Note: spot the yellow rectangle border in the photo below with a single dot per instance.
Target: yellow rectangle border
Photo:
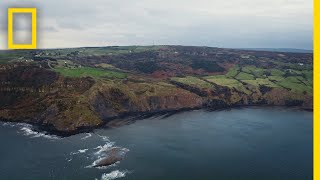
(316, 47)
(316, 92)
(33, 12)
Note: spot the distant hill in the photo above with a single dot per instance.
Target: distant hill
(280, 50)
(67, 91)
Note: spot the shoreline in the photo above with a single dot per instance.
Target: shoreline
(131, 117)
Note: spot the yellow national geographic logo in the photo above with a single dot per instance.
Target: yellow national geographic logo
(33, 44)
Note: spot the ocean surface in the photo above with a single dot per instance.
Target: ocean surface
(234, 144)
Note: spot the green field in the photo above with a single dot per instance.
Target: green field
(276, 72)
(260, 81)
(255, 71)
(276, 78)
(244, 76)
(300, 81)
(233, 72)
(89, 71)
(193, 81)
(223, 81)
(296, 85)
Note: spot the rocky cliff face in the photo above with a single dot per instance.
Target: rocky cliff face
(35, 95)
(39, 96)
(66, 105)
(110, 100)
(270, 97)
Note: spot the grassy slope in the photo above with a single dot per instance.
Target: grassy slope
(298, 81)
(193, 81)
(89, 71)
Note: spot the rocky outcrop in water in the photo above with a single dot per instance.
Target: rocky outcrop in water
(111, 156)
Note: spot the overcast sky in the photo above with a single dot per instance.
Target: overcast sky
(221, 23)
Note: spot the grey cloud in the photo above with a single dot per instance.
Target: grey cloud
(232, 23)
